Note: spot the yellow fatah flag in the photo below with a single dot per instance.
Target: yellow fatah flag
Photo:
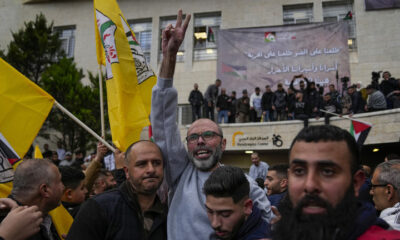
(37, 153)
(129, 77)
(62, 220)
(24, 107)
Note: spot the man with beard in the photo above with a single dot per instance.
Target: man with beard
(186, 171)
(134, 209)
(277, 183)
(104, 181)
(230, 210)
(324, 177)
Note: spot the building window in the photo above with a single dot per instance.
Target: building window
(67, 37)
(342, 11)
(206, 27)
(142, 29)
(164, 21)
(297, 14)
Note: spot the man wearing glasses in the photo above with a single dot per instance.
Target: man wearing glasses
(186, 171)
(385, 191)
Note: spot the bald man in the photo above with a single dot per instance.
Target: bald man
(186, 171)
(131, 210)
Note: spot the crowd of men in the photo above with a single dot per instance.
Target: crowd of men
(166, 190)
(302, 103)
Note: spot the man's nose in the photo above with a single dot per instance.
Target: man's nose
(312, 184)
(150, 168)
(201, 140)
(215, 222)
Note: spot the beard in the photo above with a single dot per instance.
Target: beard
(336, 223)
(210, 162)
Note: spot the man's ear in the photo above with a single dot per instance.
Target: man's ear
(126, 171)
(248, 207)
(358, 181)
(283, 184)
(68, 193)
(390, 192)
(223, 144)
(44, 190)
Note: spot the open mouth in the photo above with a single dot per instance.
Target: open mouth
(202, 154)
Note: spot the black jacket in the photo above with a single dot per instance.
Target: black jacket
(357, 103)
(223, 102)
(116, 215)
(196, 98)
(266, 101)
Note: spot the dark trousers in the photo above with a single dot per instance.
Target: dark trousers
(196, 112)
(303, 117)
(232, 117)
(209, 111)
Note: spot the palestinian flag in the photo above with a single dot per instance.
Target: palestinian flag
(151, 133)
(348, 16)
(210, 35)
(237, 71)
(360, 131)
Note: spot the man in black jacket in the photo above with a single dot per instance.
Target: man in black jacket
(266, 104)
(232, 103)
(223, 106)
(231, 212)
(357, 102)
(133, 211)
(196, 101)
(37, 182)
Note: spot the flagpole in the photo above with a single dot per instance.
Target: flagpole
(80, 123)
(341, 116)
(101, 101)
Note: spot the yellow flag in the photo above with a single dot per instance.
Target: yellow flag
(24, 107)
(62, 220)
(129, 77)
(37, 152)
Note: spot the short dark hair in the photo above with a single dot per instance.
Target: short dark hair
(218, 80)
(325, 133)
(281, 170)
(227, 181)
(71, 177)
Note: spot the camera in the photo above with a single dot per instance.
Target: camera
(375, 76)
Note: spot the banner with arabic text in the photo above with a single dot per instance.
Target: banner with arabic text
(256, 57)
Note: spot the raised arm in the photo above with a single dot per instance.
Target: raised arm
(164, 104)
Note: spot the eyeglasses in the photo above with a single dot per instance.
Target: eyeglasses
(382, 185)
(378, 185)
(207, 136)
